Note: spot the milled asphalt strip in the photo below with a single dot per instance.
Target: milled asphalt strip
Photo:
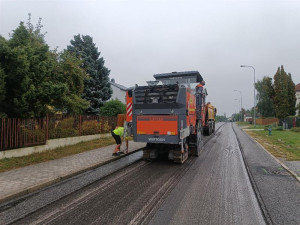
(19, 208)
(63, 186)
(213, 134)
(262, 205)
(36, 187)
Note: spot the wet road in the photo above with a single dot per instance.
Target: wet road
(213, 188)
(216, 190)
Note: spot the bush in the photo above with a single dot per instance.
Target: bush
(64, 128)
(90, 127)
(3, 115)
(296, 129)
(34, 136)
(112, 108)
(107, 127)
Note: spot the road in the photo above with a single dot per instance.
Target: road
(217, 187)
(216, 190)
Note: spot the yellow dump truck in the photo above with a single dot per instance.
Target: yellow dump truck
(210, 117)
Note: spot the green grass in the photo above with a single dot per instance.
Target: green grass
(250, 126)
(243, 123)
(13, 163)
(285, 143)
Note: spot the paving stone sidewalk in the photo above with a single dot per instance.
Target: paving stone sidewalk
(27, 179)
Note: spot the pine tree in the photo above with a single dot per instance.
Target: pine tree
(281, 95)
(97, 88)
(291, 95)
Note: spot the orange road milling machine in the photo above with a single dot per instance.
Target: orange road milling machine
(170, 116)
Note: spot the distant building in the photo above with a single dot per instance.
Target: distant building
(119, 91)
(297, 89)
(247, 117)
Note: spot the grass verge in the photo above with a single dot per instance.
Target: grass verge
(247, 125)
(13, 163)
(243, 123)
(284, 144)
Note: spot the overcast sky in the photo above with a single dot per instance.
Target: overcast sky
(139, 38)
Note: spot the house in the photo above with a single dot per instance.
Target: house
(248, 118)
(119, 91)
(297, 89)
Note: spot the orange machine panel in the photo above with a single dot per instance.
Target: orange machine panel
(191, 106)
(157, 125)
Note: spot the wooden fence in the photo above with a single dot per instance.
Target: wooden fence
(266, 121)
(19, 133)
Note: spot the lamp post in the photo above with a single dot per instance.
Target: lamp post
(242, 119)
(254, 91)
(238, 106)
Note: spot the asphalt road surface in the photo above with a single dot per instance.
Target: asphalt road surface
(214, 188)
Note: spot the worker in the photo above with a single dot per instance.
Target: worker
(201, 84)
(200, 88)
(118, 134)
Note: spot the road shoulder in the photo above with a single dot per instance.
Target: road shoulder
(278, 189)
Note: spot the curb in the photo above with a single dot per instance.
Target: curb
(277, 160)
(37, 187)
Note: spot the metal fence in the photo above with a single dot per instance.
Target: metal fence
(18, 133)
(288, 123)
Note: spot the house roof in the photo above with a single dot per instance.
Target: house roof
(297, 87)
(118, 85)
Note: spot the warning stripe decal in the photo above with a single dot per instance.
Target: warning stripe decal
(129, 109)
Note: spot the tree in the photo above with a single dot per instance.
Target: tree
(2, 91)
(112, 108)
(38, 80)
(291, 95)
(97, 88)
(221, 118)
(284, 94)
(27, 64)
(265, 93)
(70, 73)
(281, 104)
(2, 87)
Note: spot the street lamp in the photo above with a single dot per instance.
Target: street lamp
(254, 90)
(241, 105)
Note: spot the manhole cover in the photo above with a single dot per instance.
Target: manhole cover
(279, 171)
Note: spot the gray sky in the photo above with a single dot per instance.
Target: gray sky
(139, 38)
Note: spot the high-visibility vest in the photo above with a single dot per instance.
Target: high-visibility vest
(119, 131)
